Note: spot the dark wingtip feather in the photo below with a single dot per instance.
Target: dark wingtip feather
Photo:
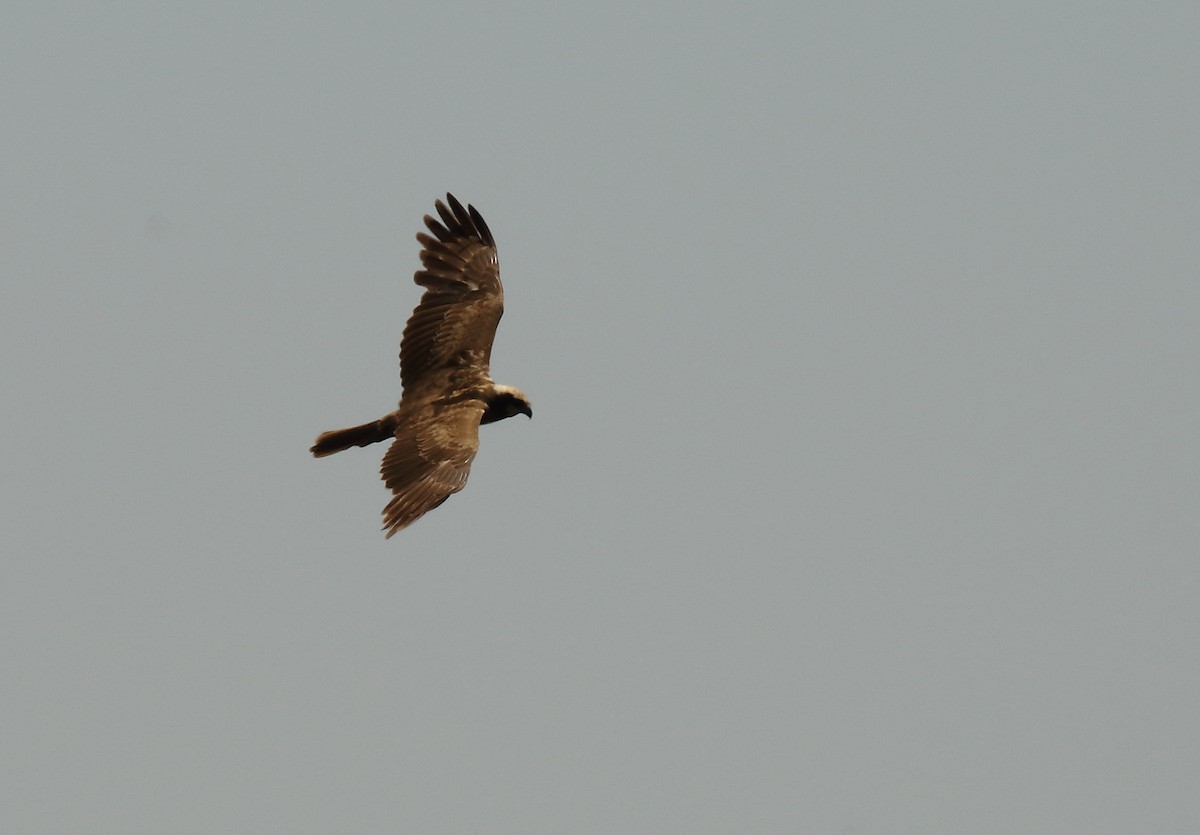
(449, 215)
(481, 227)
(440, 232)
(455, 206)
(457, 220)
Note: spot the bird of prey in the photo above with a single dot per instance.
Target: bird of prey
(444, 356)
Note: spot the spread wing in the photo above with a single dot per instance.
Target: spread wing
(429, 460)
(455, 322)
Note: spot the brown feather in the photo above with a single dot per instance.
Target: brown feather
(444, 357)
(456, 320)
(429, 460)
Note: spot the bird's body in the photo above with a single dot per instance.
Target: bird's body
(444, 370)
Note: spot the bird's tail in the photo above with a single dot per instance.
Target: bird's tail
(369, 433)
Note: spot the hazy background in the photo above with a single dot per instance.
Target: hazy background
(862, 493)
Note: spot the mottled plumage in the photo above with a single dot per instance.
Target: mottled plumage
(444, 357)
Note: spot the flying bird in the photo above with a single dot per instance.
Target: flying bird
(444, 356)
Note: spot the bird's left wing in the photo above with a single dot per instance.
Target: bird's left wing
(429, 460)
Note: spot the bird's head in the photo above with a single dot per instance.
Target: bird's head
(506, 402)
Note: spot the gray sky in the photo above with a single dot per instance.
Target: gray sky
(862, 492)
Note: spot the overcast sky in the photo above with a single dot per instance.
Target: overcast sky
(863, 488)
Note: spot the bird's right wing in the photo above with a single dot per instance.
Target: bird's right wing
(455, 322)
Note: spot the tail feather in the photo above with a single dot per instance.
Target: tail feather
(369, 433)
